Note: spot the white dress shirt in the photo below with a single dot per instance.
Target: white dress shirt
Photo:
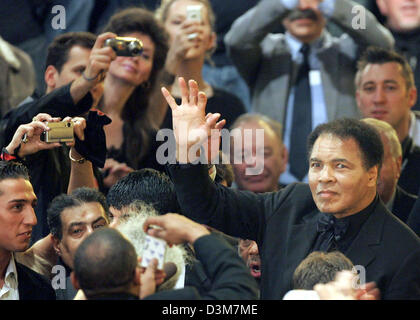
(9, 291)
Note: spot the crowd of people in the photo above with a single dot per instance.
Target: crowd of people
(289, 166)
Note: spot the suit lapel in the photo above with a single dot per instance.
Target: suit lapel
(362, 250)
(301, 239)
(276, 81)
(24, 284)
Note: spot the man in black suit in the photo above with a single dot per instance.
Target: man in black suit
(17, 218)
(396, 199)
(385, 90)
(340, 209)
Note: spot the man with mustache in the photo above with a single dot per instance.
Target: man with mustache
(303, 77)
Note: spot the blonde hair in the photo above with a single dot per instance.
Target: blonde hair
(162, 12)
(384, 128)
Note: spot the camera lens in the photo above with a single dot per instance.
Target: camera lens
(135, 48)
(68, 124)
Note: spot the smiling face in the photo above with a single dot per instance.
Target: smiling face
(382, 94)
(77, 223)
(274, 158)
(402, 15)
(339, 182)
(134, 70)
(17, 216)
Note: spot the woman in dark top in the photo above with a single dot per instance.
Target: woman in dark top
(191, 42)
(128, 84)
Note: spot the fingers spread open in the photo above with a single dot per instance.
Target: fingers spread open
(184, 90)
(193, 92)
(202, 100)
(169, 99)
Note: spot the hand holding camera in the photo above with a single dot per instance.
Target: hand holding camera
(99, 60)
(43, 133)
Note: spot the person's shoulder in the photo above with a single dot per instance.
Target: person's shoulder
(395, 230)
(38, 286)
(30, 274)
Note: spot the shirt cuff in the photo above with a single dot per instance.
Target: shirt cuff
(327, 7)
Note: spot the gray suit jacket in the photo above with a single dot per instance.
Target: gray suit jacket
(264, 60)
(17, 77)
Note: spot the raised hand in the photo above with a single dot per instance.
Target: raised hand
(100, 58)
(192, 128)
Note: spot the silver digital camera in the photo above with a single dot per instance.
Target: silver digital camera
(125, 46)
(59, 132)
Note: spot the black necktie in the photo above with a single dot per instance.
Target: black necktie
(331, 230)
(302, 118)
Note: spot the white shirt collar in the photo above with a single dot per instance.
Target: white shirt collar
(9, 291)
(295, 44)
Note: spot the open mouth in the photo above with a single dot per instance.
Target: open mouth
(26, 234)
(255, 269)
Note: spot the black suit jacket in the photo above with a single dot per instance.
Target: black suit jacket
(283, 225)
(410, 173)
(33, 286)
(230, 278)
(413, 220)
(403, 204)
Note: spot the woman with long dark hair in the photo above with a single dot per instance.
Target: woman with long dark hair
(128, 84)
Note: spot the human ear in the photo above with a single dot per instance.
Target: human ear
(50, 77)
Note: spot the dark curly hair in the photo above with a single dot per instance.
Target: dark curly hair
(134, 114)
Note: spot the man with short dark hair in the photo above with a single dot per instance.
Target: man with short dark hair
(385, 91)
(339, 210)
(76, 62)
(71, 218)
(17, 218)
(148, 185)
(105, 265)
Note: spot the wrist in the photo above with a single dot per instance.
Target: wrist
(8, 155)
(197, 232)
(76, 157)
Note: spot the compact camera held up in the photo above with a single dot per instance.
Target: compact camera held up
(125, 46)
(61, 132)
